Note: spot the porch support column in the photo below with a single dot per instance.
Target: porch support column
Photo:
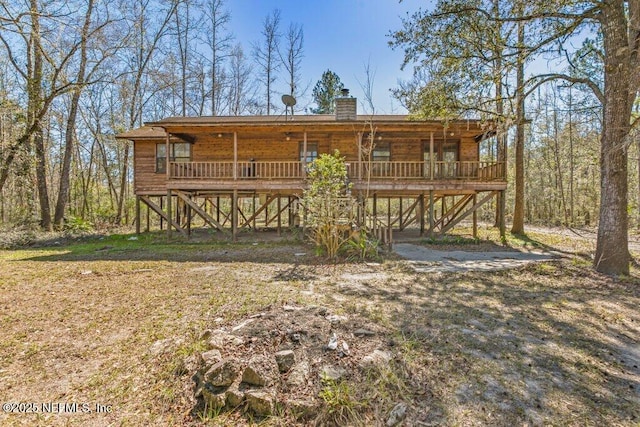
(234, 215)
(431, 213)
(137, 214)
(278, 204)
(375, 211)
(304, 221)
(304, 155)
(218, 208)
(421, 214)
(475, 217)
(503, 202)
(148, 219)
(169, 213)
(188, 213)
(253, 214)
(168, 156)
(431, 159)
(235, 155)
(359, 156)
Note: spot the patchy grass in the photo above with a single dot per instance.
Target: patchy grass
(552, 343)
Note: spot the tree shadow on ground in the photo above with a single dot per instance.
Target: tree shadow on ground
(550, 343)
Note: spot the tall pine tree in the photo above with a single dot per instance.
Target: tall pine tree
(325, 91)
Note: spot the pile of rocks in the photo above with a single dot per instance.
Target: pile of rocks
(278, 360)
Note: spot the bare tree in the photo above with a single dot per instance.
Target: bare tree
(266, 54)
(219, 41)
(185, 24)
(292, 57)
(240, 90)
(144, 40)
(89, 39)
(21, 36)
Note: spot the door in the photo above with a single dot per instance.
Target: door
(445, 158)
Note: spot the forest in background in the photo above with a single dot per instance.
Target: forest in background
(74, 73)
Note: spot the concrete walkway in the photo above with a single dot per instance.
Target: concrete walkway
(425, 260)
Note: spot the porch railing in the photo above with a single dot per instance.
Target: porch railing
(226, 170)
(479, 171)
(243, 170)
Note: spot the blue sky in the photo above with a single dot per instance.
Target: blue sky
(340, 35)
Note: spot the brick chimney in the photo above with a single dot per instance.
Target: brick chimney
(346, 107)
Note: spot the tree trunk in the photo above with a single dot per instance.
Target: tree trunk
(41, 181)
(638, 194)
(556, 152)
(123, 183)
(612, 251)
(501, 138)
(518, 208)
(35, 105)
(571, 164)
(65, 172)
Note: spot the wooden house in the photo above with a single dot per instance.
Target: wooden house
(246, 172)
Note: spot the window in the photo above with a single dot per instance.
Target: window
(180, 152)
(311, 154)
(381, 152)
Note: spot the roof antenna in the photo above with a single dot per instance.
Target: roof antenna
(288, 101)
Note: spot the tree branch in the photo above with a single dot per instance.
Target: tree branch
(544, 78)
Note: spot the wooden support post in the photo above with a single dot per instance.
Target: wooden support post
(431, 159)
(235, 155)
(359, 164)
(431, 213)
(304, 220)
(401, 219)
(375, 211)
(188, 206)
(178, 211)
(304, 155)
(169, 213)
(167, 153)
(161, 208)
(475, 217)
(137, 214)
(234, 215)
(503, 202)
(422, 214)
(389, 212)
(279, 216)
(147, 228)
(218, 208)
(253, 213)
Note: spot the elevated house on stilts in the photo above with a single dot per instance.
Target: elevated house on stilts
(249, 172)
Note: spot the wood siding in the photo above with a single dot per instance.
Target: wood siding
(271, 146)
(146, 180)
